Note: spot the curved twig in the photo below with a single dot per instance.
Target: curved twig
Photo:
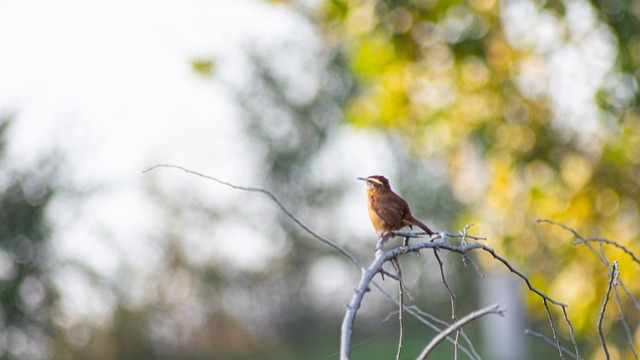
(396, 265)
(549, 341)
(612, 278)
(337, 247)
(493, 309)
(585, 240)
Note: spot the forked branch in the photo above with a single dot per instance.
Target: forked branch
(383, 256)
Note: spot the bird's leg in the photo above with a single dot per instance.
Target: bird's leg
(405, 242)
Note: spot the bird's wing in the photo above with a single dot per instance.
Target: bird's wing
(392, 212)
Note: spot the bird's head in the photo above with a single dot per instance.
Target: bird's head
(376, 183)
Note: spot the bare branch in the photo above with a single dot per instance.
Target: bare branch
(493, 309)
(635, 301)
(609, 242)
(623, 320)
(463, 249)
(417, 234)
(575, 233)
(464, 233)
(584, 240)
(337, 247)
(614, 275)
(466, 258)
(573, 335)
(549, 342)
(382, 257)
(425, 317)
(396, 265)
(354, 305)
(452, 298)
(384, 273)
(600, 254)
(553, 327)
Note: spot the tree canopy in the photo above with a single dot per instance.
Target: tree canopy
(531, 107)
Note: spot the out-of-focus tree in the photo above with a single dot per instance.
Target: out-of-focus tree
(28, 296)
(202, 302)
(530, 106)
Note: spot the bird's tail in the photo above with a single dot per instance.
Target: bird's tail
(422, 226)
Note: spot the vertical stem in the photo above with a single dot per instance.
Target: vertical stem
(396, 265)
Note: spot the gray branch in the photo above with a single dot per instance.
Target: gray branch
(612, 278)
(381, 257)
(493, 309)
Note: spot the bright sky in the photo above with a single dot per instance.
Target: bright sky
(110, 85)
(78, 72)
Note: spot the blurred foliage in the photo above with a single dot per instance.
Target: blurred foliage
(205, 67)
(199, 304)
(28, 297)
(478, 85)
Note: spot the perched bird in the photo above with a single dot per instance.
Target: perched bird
(387, 210)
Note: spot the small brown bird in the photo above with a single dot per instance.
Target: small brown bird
(387, 210)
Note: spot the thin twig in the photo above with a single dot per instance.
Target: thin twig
(614, 272)
(520, 274)
(464, 233)
(337, 247)
(384, 273)
(553, 327)
(465, 257)
(396, 265)
(464, 241)
(629, 294)
(623, 320)
(444, 323)
(493, 309)
(609, 242)
(601, 255)
(428, 320)
(584, 240)
(425, 317)
(550, 342)
(575, 234)
(452, 298)
(573, 335)
(475, 266)
(604, 255)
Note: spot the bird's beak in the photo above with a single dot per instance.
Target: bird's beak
(363, 179)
